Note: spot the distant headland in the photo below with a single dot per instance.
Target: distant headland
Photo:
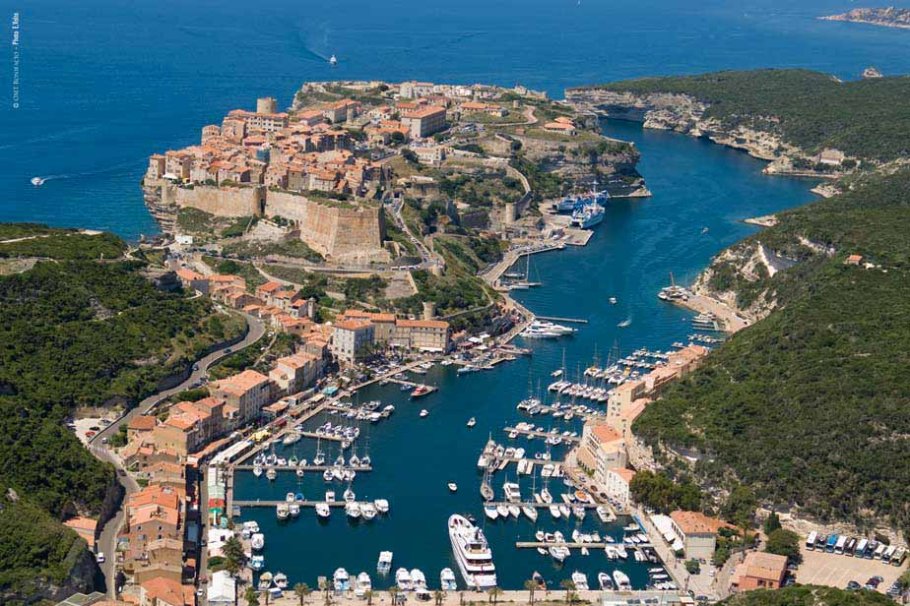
(884, 17)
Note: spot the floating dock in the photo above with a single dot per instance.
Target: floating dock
(542, 434)
(357, 468)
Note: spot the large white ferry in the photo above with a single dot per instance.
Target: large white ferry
(472, 552)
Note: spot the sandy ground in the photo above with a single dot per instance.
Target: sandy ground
(823, 568)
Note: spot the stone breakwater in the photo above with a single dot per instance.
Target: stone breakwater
(687, 115)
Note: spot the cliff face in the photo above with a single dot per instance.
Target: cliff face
(687, 115)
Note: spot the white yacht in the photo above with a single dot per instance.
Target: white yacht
(424, 413)
(453, 487)
(603, 514)
(281, 580)
(257, 541)
(323, 510)
(471, 423)
(38, 181)
(333, 60)
(282, 511)
(530, 511)
(362, 585)
(559, 552)
(554, 511)
(512, 491)
(384, 565)
(472, 553)
(257, 470)
(352, 509)
(270, 473)
(368, 511)
(382, 505)
(503, 510)
(447, 580)
(349, 495)
(622, 581)
(403, 579)
(294, 509)
(341, 579)
(606, 583)
(580, 580)
(418, 579)
(490, 511)
(514, 511)
(291, 438)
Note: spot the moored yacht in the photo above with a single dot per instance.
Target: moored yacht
(580, 580)
(323, 510)
(362, 584)
(403, 579)
(472, 553)
(384, 565)
(622, 581)
(341, 580)
(447, 580)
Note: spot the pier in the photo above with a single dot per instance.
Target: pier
(537, 505)
(242, 504)
(545, 545)
(567, 320)
(357, 468)
(542, 434)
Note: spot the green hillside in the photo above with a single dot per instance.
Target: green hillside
(864, 118)
(809, 406)
(808, 596)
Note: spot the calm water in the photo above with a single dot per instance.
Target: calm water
(105, 84)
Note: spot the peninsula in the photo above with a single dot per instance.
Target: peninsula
(883, 17)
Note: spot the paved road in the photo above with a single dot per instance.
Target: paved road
(108, 537)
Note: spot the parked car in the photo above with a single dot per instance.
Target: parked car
(100, 557)
(853, 586)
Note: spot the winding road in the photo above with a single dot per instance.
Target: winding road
(107, 539)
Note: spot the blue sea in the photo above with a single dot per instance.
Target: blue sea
(102, 85)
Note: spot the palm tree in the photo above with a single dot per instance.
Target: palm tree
(495, 592)
(302, 590)
(530, 586)
(251, 596)
(461, 598)
(369, 596)
(438, 595)
(393, 591)
(568, 585)
(325, 588)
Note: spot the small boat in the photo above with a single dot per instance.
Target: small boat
(368, 511)
(559, 553)
(555, 512)
(603, 514)
(270, 473)
(341, 580)
(424, 413)
(565, 511)
(362, 585)
(606, 583)
(403, 579)
(418, 579)
(420, 390)
(265, 581)
(622, 581)
(382, 505)
(329, 496)
(491, 512)
(349, 495)
(530, 512)
(384, 565)
(352, 510)
(453, 487)
(281, 580)
(327, 475)
(514, 511)
(294, 509)
(447, 580)
(282, 511)
(299, 472)
(472, 422)
(502, 510)
(257, 470)
(323, 510)
(580, 580)
(257, 562)
(289, 497)
(38, 181)
(612, 300)
(333, 60)
(257, 541)
(625, 323)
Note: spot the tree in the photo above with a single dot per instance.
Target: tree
(438, 596)
(530, 586)
(784, 542)
(692, 567)
(251, 596)
(302, 590)
(772, 523)
(233, 554)
(369, 596)
(393, 591)
(740, 506)
(569, 586)
(495, 592)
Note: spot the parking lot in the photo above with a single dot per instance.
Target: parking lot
(823, 568)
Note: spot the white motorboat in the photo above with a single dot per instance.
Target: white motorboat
(554, 511)
(580, 580)
(289, 497)
(329, 496)
(362, 585)
(424, 413)
(514, 511)
(490, 512)
(622, 581)
(403, 579)
(579, 512)
(291, 438)
(323, 510)
(418, 579)
(265, 581)
(341, 579)
(257, 470)
(37, 181)
(282, 511)
(602, 514)
(605, 582)
(349, 495)
(299, 472)
(530, 512)
(565, 511)
(382, 505)
(327, 475)
(503, 510)
(368, 511)
(447, 580)
(453, 487)
(559, 552)
(281, 580)
(294, 509)
(512, 492)
(257, 541)
(352, 509)
(333, 60)
(384, 565)
(471, 423)
(472, 553)
(270, 473)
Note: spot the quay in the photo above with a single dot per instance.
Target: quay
(357, 468)
(558, 319)
(542, 434)
(570, 545)
(537, 505)
(285, 430)
(242, 504)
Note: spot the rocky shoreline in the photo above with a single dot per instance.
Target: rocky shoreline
(883, 17)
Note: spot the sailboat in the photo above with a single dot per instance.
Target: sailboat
(319, 459)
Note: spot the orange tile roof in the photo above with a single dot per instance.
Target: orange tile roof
(425, 112)
(352, 324)
(625, 474)
(422, 323)
(142, 423)
(604, 433)
(761, 565)
(269, 287)
(695, 522)
(242, 382)
(164, 589)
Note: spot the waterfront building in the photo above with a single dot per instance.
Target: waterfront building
(424, 121)
(352, 339)
(617, 486)
(422, 335)
(697, 531)
(602, 448)
(679, 364)
(383, 323)
(759, 570)
(296, 372)
(622, 397)
(249, 391)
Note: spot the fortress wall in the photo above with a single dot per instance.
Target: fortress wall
(222, 201)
